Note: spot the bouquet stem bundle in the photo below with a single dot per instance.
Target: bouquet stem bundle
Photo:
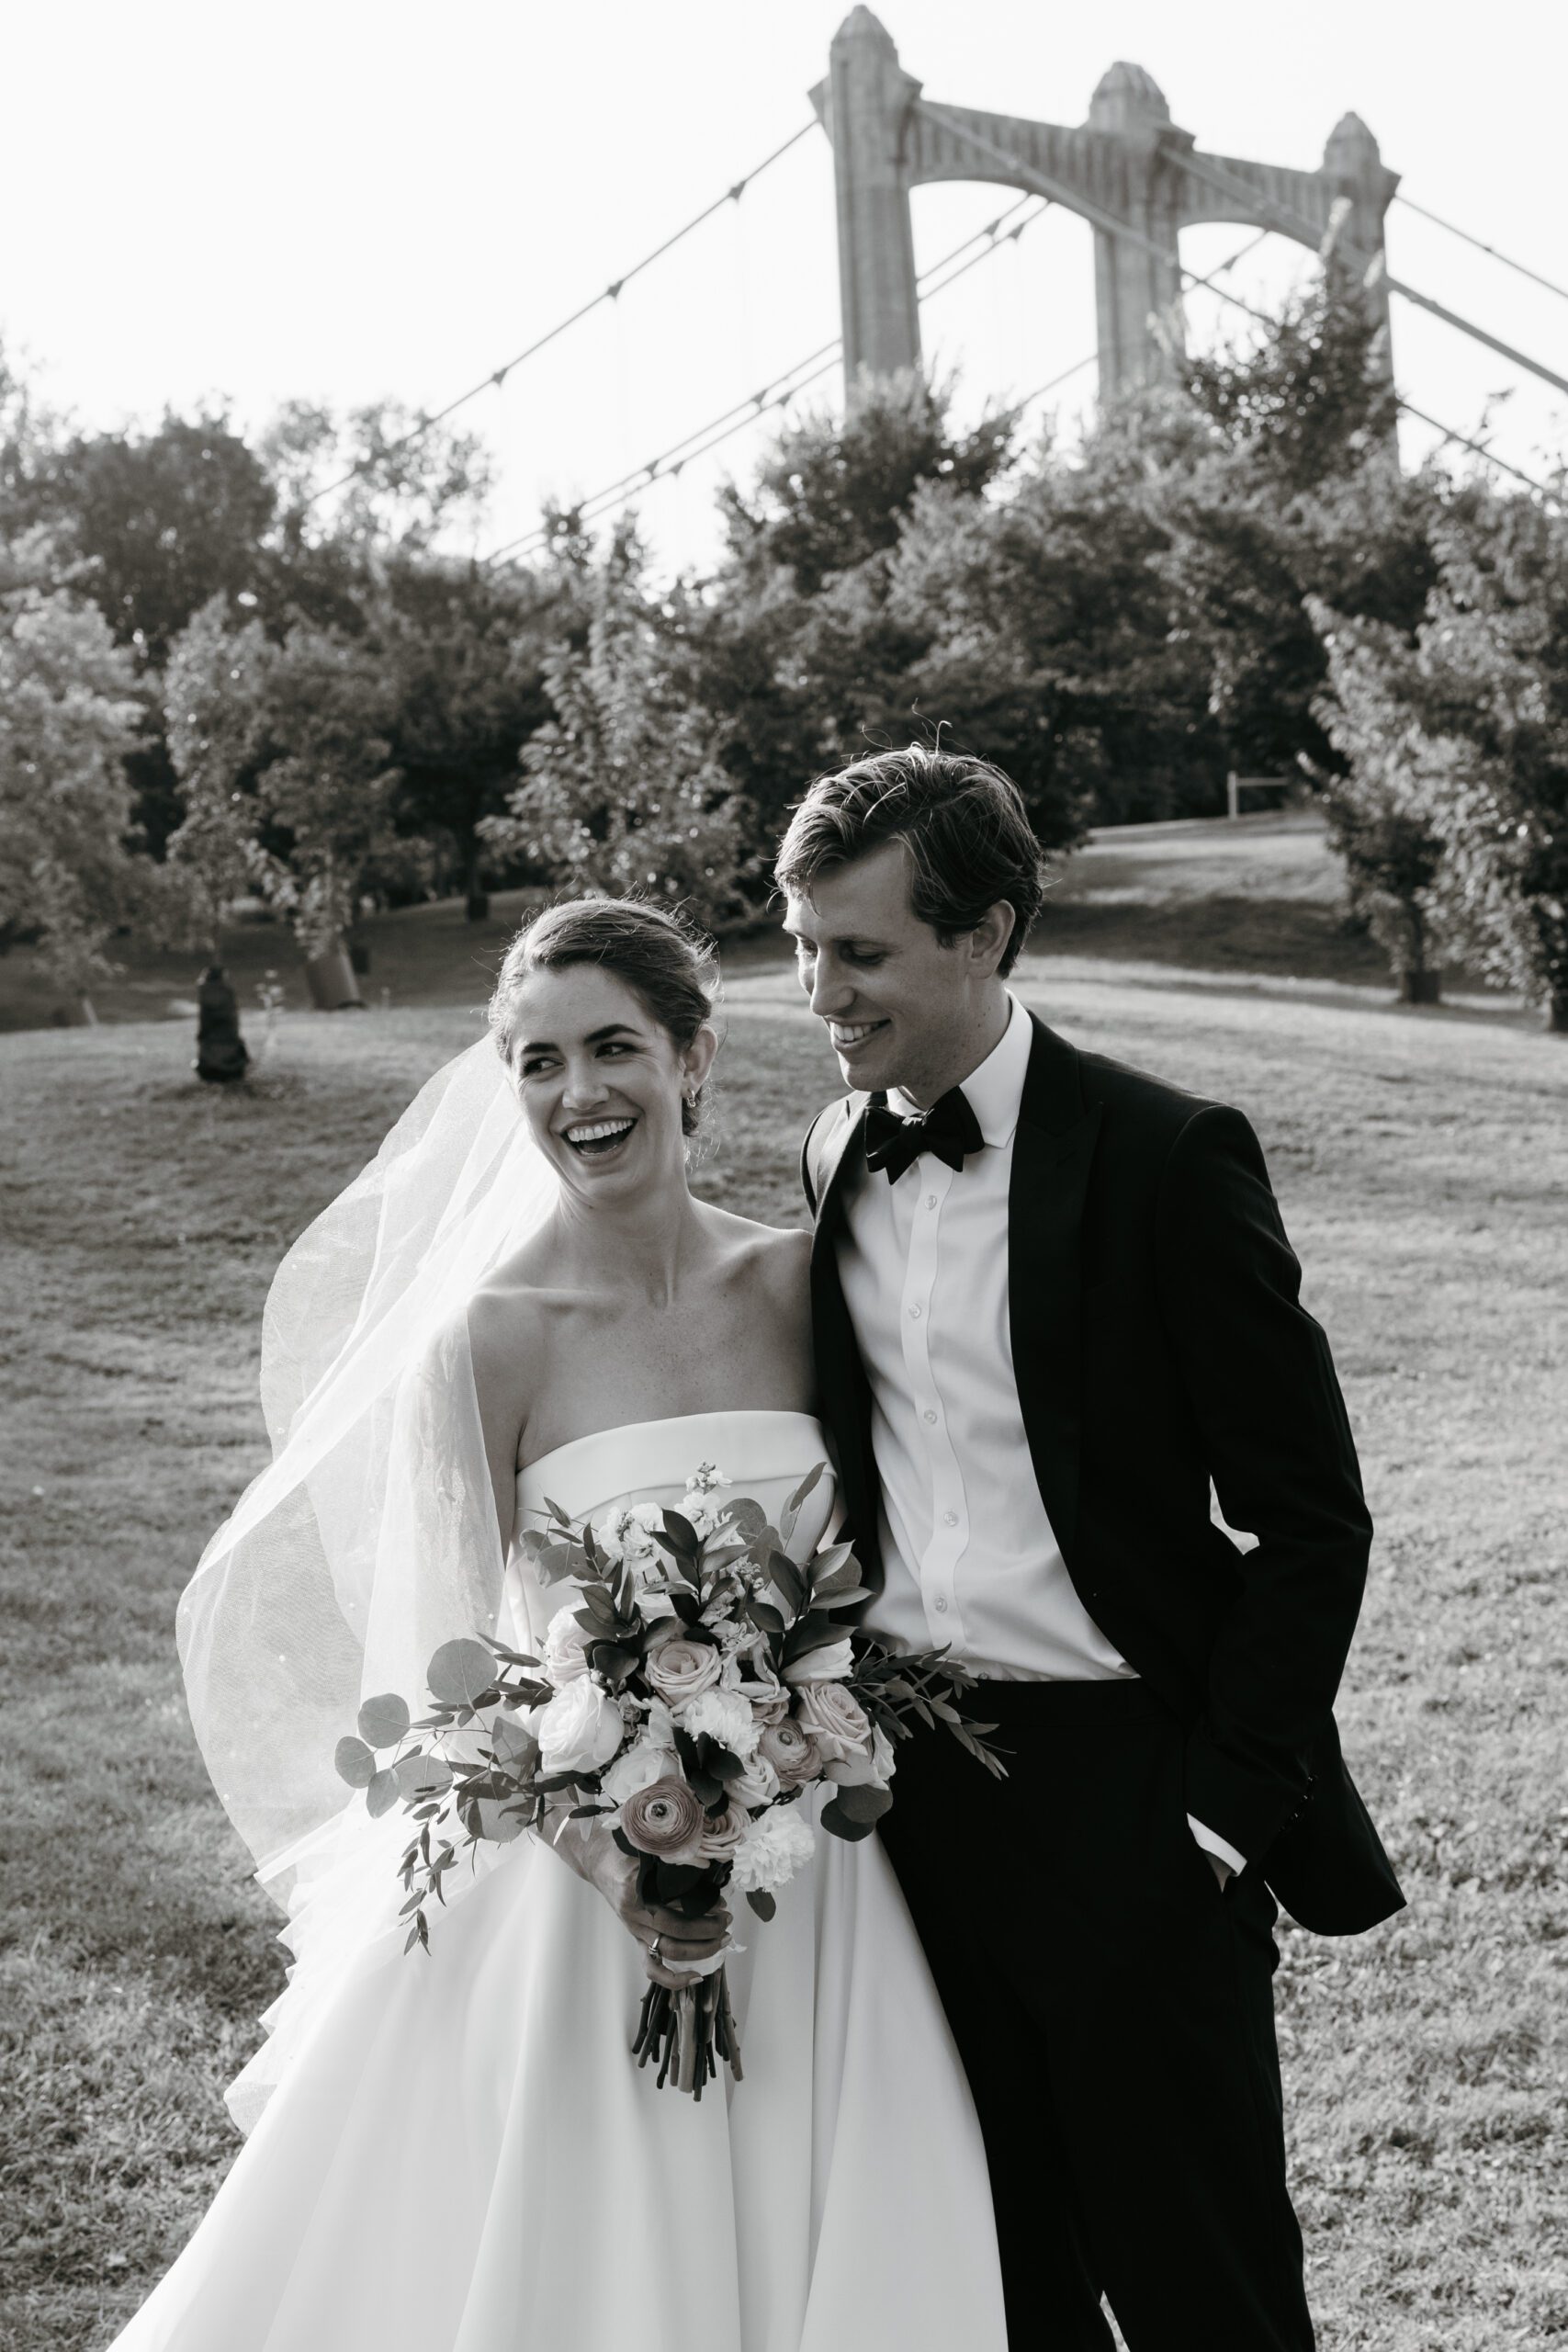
(686, 2034)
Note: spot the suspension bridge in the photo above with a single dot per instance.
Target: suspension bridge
(1131, 173)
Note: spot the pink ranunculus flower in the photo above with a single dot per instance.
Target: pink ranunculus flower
(834, 1718)
(679, 1668)
(722, 1832)
(792, 1753)
(666, 1819)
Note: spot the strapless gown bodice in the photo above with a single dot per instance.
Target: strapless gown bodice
(764, 1454)
(462, 2154)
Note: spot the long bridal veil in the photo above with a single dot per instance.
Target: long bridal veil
(371, 1537)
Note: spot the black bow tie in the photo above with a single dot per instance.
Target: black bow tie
(949, 1128)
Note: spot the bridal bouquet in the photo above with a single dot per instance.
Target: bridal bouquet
(699, 1689)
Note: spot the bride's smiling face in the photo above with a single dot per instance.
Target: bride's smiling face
(601, 1082)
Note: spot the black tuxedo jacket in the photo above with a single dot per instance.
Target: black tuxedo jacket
(1158, 1341)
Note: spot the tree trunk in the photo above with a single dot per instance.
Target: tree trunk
(1420, 988)
(1557, 1014)
(330, 979)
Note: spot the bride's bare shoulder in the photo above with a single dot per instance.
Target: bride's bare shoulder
(777, 1256)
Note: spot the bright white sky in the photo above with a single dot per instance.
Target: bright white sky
(347, 199)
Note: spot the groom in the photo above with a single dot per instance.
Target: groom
(1053, 1299)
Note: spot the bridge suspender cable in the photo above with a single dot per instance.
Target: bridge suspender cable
(610, 293)
(777, 392)
(1289, 223)
(1482, 247)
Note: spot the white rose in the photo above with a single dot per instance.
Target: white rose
(565, 1651)
(834, 1664)
(724, 1717)
(608, 1538)
(777, 1844)
(637, 1769)
(758, 1784)
(579, 1729)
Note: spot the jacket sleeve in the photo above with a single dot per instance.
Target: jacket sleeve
(1260, 1383)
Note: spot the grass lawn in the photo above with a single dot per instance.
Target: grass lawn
(1419, 1161)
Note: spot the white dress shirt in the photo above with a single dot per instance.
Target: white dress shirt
(970, 1558)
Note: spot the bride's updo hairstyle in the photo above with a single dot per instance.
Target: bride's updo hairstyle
(667, 964)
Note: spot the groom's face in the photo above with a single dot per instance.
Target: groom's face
(901, 1008)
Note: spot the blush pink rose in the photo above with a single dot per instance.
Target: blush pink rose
(722, 1833)
(666, 1819)
(679, 1669)
(792, 1753)
(835, 1719)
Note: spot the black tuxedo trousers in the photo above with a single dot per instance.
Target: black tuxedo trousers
(1113, 2010)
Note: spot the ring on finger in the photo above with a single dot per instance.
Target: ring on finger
(653, 1948)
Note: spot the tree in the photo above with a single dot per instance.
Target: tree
(1477, 717)
(1050, 636)
(1380, 815)
(69, 874)
(283, 752)
(792, 647)
(1289, 488)
(625, 790)
(467, 648)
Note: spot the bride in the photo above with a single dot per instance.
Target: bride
(457, 2151)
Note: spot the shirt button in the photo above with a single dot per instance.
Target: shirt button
(949, 1518)
(914, 1314)
(930, 1413)
(942, 1604)
(931, 1200)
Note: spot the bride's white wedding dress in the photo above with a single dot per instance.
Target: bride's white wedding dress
(463, 2156)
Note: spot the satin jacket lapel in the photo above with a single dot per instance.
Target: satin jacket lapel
(1053, 1154)
(840, 1376)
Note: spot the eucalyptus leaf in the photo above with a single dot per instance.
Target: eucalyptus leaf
(460, 1673)
(843, 1824)
(762, 1902)
(421, 1775)
(514, 1743)
(496, 1823)
(862, 1802)
(384, 1721)
(382, 1794)
(354, 1762)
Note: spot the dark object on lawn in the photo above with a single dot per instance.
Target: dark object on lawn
(221, 1054)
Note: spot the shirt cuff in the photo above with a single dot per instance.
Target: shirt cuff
(1212, 1843)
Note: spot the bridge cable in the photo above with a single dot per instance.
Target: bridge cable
(610, 293)
(1508, 263)
(1293, 224)
(777, 393)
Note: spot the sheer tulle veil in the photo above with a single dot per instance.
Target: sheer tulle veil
(371, 1537)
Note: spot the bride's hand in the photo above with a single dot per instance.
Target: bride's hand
(599, 1860)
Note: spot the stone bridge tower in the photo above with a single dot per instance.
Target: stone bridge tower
(1129, 170)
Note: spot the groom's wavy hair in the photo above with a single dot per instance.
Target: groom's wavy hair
(962, 821)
